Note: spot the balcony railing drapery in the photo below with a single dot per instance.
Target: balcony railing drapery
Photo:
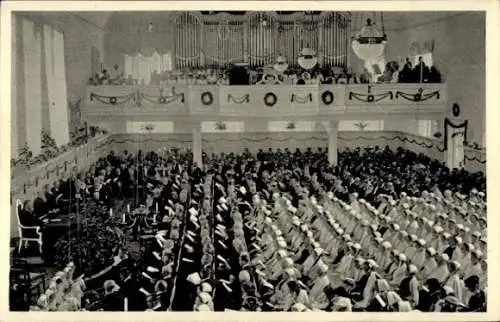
(252, 99)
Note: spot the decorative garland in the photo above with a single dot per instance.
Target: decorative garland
(162, 99)
(207, 98)
(239, 100)
(370, 98)
(272, 138)
(270, 99)
(327, 97)
(302, 100)
(474, 159)
(419, 96)
(112, 100)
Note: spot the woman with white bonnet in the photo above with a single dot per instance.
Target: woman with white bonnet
(409, 287)
(430, 263)
(419, 257)
(454, 281)
(367, 284)
(400, 272)
(317, 295)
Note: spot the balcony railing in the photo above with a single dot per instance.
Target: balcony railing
(266, 100)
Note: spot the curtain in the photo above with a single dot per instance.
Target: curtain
(59, 110)
(33, 85)
(39, 86)
(14, 138)
(55, 76)
(141, 67)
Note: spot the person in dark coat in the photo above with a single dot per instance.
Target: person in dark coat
(477, 302)
(113, 299)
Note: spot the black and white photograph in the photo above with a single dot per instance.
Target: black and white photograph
(248, 160)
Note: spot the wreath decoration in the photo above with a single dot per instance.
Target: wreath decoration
(112, 100)
(270, 99)
(327, 97)
(456, 110)
(207, 98)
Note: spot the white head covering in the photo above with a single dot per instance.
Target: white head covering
(343, 303)
(194, 278)
(412, 269)
(404, 306)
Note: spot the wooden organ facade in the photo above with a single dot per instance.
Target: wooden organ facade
(257, 38)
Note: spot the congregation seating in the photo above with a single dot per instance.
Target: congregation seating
(276, 231)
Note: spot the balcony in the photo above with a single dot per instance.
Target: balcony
(374, 101)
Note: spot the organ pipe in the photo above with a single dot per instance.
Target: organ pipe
(258, 40)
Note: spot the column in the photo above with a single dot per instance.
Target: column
(333, 142)
(197, 145)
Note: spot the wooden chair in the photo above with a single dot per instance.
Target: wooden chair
(27, 233)
(34, 282)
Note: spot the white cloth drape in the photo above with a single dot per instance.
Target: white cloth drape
(455, 154)
(425, 128)
(33, 84)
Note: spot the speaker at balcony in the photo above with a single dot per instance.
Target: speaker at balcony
(238, 75)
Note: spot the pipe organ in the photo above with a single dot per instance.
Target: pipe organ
(215, 41)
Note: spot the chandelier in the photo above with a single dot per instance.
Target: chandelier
(369, 45)
(371, 41)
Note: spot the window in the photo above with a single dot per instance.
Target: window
(371, 125)
(427, 58)
(427, 128)
(141, 67)
(284, 126)
(150, 127)
(217, 127)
